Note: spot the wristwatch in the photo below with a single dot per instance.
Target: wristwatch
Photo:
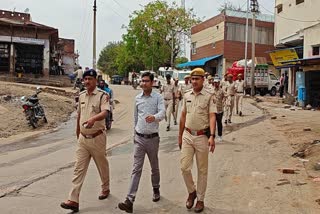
(213, 135)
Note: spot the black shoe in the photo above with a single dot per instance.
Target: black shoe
(70, 205)
(229, 121)
(240, 113)
(225, 121)
(127, 206)
(168, 128)
(237, 112)
(156, 195)
(175, 123)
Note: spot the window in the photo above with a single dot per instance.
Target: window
(279, 8)
(273, 77)
(299, 1)
(193, 47)
(316, 50)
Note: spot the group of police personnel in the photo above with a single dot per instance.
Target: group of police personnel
(227, 95)
(204, 100)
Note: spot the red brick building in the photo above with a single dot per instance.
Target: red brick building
(219, 41)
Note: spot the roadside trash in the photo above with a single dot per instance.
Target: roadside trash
(283, 181)
(307, 129)
(298, 183)
(315, 142)
(318, 201)
(273, 118)
(288, 170)
(308, 107)
(283, 116)
(316, 179)
(299, 154)
(303, 160)
(317, 166)
(287, 106)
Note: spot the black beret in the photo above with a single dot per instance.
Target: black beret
(90, 72)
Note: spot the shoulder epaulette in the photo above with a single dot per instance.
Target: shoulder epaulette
(82, 92)
(102, 91)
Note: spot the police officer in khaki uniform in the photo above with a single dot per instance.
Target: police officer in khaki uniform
(230, 92)
(186, 86)
(240, 93)
(196, 132)
(177, 95)
(167, 90)
(92, 111)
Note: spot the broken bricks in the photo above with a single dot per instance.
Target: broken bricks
(288, 170)
(307, 129)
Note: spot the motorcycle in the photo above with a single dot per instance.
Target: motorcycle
(33, 110)
(135, 83)
(109, 117)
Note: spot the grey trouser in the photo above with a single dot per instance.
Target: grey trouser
(143, 146)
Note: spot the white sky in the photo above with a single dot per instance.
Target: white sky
(73, 18)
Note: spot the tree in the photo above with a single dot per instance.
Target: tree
(153, 33)
(181, 60)
(108, 57)
(229, 6)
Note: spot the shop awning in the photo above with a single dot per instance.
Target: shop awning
(199, 62)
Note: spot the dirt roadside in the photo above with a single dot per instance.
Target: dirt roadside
(58, 106)
(302, 129)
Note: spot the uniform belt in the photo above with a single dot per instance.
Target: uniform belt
(91, 136)
(240, 92)
(148, 135)
(196, 133)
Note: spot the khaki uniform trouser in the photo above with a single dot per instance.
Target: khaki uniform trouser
(198, 146)
(87, 148)
(229, 107)
(169, 110)
(239, 98)
(176, 108)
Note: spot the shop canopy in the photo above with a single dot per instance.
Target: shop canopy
(199, 62)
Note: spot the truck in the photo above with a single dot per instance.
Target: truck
(264, 80)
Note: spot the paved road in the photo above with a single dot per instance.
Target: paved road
(243, 174)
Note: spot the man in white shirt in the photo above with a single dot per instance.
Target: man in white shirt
(239, 94)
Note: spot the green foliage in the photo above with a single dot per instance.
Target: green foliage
(181, 60)
(151, 34)
(154, 30)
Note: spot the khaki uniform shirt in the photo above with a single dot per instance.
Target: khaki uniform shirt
(197, 108)
(223, 84)
(230, 89)
(167, 91)
(240, 86)
(218, 96)
(91, 105)
(176, 90)
(185, 88)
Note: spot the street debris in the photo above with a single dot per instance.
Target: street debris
(283, 182)
(298, 183)
(308, 107)
(287, 106)
(299, 154)
(307, 129)
(273, 117)
(316, 179)
(317, 166)
(288, 170)
(315, 142)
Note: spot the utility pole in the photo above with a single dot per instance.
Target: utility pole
(94, 58)
(246, 45)
(182, 36)
(171, 62)
(254, 10)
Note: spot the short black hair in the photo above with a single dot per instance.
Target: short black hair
(168, 76)
(148, 74)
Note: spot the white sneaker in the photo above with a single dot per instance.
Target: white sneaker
(219, 139)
